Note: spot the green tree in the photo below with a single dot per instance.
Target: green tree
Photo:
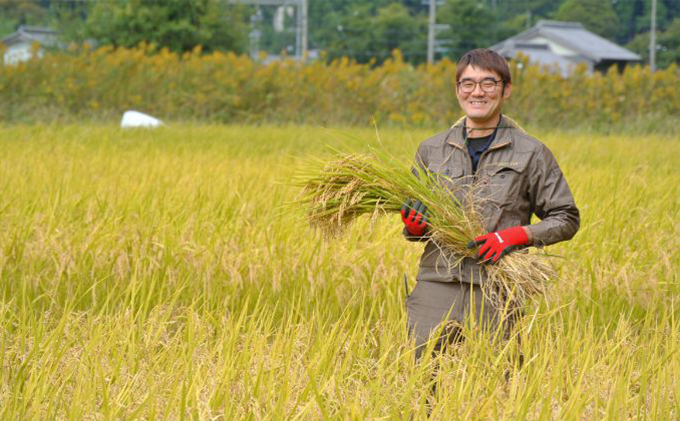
(629, 12)
(69, 18)
(179, 25)
(472, 26)
(394, 28)
(668, 45)
(596, 15)
(349, 33)
(635, 16)
(364, 32)
(20, 12)
(537, 9)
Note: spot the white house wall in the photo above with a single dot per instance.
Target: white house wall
(19, 52)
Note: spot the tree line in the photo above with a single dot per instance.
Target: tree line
(364, 30)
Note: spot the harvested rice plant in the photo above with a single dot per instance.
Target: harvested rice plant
(169, 274)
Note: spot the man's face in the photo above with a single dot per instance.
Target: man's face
(482, 105)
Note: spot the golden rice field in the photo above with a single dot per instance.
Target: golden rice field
(161, 275)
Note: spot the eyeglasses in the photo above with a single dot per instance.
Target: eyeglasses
(468, 85)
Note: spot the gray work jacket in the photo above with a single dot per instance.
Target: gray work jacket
(517, 176)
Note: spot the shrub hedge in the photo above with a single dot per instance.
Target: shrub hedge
(224, 87)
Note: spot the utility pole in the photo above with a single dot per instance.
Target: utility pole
(305, 24)
(301, 30)
(528, 19)
(431, 32)
(652, 40)
(254, 35)
(298, 32)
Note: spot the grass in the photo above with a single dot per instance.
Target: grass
(155, 274)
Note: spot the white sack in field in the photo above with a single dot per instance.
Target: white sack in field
(137, 119)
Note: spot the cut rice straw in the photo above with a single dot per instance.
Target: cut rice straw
(337, 192)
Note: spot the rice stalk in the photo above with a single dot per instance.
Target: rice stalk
(337, 192)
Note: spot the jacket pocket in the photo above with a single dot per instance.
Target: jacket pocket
(447, 175)
(445, 169)
(505, 183)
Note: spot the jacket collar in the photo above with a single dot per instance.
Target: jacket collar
(504, 135)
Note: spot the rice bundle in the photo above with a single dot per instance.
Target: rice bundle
(335, 193)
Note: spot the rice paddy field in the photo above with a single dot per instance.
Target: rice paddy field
(163, 274)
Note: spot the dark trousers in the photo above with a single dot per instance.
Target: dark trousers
(454, 304)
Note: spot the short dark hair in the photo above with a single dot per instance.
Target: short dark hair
(484, 59)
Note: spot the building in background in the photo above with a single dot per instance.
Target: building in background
(564, 45)
(19, 45)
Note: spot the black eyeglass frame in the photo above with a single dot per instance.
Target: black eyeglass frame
(475, 83)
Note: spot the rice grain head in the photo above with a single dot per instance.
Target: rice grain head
(337, 192)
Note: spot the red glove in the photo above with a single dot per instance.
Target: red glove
(414, 216)
(495, 245)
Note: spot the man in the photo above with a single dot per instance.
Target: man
(514, 174)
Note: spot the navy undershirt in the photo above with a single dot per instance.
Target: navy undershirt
(476, 147)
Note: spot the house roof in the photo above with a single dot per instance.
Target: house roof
(574, 36)
(542, 55)
(44, 36)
